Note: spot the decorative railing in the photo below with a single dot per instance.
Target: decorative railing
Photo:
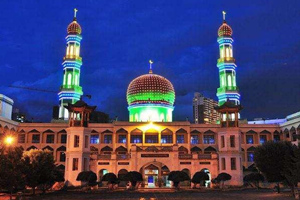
(69, 57)
(123, 157)
(104, 157)
(185, 156)
(71, 87)
(204, 156)
(223, 89)
(231, 124)
(155, 149)
(226, 59)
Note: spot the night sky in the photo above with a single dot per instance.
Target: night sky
(119, 37)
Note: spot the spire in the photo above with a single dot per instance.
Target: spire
(75, 13)
(224, 15)
(150, 66)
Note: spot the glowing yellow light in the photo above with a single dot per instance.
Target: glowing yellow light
(150, 126)
(9, 140)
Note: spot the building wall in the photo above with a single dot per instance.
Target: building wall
(180, 155)
(6, 104)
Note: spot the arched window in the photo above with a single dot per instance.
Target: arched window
(222, 51)
(227, 51)
(229, 81)
(67, 51)
(233, 81)
(76, 79)
(65, 77)
(69, 79)
(151, 136)
(71, 50)
(77, 50)
(222, 81)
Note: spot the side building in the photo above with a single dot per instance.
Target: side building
(204, 110)
(6, 105)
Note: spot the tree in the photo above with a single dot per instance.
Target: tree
(11, 176)
(111, 179)
(254, 178)
(39, 169)
(87, 176)
(291, 170)
(133, 177)
(221, 178)
(279, 161)
(200, 177)
(177, 177)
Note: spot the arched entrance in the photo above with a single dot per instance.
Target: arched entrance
(165, 174)
(151, 173)
(186, 183)
(121, 175)
(102, 172)
(155, 175)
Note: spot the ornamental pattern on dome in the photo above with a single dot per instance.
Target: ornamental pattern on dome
(150, 89)
(74, 28)
(225, 30)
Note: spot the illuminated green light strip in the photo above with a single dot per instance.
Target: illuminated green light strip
(153, 96)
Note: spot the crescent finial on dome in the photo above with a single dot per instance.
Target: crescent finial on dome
(224, 15)
(74, 27)
(150, 70)
(75, 13)
(225, 30)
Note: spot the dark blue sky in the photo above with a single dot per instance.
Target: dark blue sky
(119, 37)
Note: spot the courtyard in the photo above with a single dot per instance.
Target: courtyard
(153, 194)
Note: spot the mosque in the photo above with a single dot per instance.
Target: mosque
(150, 142)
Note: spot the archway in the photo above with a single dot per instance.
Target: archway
(102, 172)
(208, 182)
(151, 175)
(121, 174)
(186, 183)
(155, 174)
(164, 175)
(293, 134)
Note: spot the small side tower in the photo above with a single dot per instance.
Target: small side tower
(228, 89)
(78, 141)
(229, 145)
(70, 90)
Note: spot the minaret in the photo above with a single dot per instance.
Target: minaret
(70, 90)
(228, 90)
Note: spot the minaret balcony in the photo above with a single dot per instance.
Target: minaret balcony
(71, 57)
(228, 88)
(226, 60)
(71, 88)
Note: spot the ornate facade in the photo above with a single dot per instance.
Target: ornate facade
(150, 142)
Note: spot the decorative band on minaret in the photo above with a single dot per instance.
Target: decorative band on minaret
(228, 90)
(70, 90)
